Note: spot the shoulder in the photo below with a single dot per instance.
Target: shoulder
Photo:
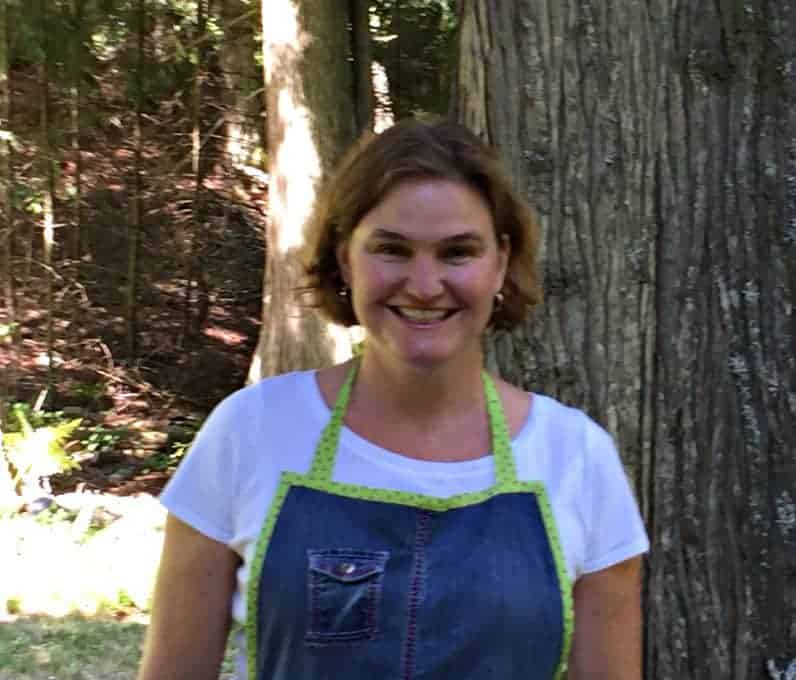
(258, 399)
(246, 421)
(562, 444)
(593, 502)
(564, 423)
(567, 425)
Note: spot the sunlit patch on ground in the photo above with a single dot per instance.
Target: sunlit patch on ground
(75, 593)
(225, 335)
(60, 566)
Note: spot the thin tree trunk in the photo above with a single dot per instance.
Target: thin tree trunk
(362, 59)
(230, 68)
(191, 324)
(8, 381)
(136, 225)
(233, 58)
(657, 142)
(48, 212)
(76, 104)
(311, 120)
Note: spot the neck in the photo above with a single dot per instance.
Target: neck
(420, 392)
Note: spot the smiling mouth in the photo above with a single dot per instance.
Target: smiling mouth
(427, 316)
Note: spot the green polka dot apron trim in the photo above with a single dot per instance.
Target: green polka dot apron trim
(355, 582)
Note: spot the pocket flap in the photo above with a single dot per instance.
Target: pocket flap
(348, 566)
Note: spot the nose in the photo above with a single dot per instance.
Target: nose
(425, 277)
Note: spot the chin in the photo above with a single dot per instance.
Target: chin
(431, 358)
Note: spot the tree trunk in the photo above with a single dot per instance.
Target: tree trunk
(239, 88)
(191, 321)
(723, 582)
(575, 136)
(48, 212)
(7, 383)
(311, 120)
(656, 140)
(76, 103)
(361, 59)
(135, 227)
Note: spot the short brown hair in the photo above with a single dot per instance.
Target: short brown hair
(414, 149)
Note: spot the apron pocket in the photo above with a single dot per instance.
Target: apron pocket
(344, 594)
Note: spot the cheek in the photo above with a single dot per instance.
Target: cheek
(370, 279)
(479, 286)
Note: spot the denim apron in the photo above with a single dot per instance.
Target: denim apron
(357, 583)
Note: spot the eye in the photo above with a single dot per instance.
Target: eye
(391, 249)
(458, 253)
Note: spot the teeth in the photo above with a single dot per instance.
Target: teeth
(422, 314)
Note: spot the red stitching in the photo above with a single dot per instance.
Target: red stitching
(422, 535)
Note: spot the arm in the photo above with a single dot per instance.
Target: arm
(191, 615)
(607, 640)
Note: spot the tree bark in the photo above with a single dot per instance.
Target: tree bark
(657, 141)
(135, 227)
(76, 104)
(574, 129)
(362, 59)
(7, 383)
(48, 211)
(723, 582)
(311, 120)
(233, 57)
(192, 319)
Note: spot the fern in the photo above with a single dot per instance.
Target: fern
(38, 452)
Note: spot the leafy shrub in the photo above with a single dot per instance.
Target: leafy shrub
(36, 450)
(99, 438)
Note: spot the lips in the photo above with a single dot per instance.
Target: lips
(424, 316)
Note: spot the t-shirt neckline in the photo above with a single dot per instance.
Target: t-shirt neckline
(374, 453)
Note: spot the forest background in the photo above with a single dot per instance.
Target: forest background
(158, 157)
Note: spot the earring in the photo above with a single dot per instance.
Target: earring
(343, 292)
(499, 297)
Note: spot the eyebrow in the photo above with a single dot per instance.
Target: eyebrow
(395, 236)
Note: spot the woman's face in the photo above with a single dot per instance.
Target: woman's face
(424, 267)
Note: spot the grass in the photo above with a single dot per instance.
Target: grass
(72, 648)
(75, 648)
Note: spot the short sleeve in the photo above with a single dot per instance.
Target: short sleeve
(203, 490)
(614, 528)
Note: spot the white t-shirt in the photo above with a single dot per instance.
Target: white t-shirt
(224, 486)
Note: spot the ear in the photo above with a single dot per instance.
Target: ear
(343, 261)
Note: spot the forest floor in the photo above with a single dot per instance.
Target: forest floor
(198, 311)
(75, 594)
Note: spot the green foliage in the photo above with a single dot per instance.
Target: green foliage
(91, 393)
(123, 599)
(7, 330)
(22, 411)
(167, 461)
(101, 438)
(55, 515)
(415, 42)
(37, 451)
(13, 605)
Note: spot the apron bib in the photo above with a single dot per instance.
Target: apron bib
(351, 582)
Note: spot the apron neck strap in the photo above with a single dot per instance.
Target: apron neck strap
(323, 463)
(505, 470)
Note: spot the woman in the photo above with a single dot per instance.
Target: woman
(404, 515)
